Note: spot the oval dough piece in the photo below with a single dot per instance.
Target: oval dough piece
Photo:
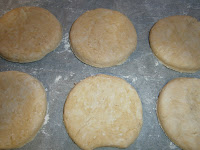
(178, 111)
(27, 34)
(175, 41)
(22, 108)
(102, 111)
(103, 38)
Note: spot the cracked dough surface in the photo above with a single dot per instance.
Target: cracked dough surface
(102, 111)
(28, 34)
(22, 108)
(175, 41)
(103, 38)
(178, 110)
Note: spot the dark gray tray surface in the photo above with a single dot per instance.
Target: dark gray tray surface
(60, 69)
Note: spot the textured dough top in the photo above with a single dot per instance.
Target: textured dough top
(103, 38)
(22, 108)
(175, 41)
(179, 112)
(103, 111)
(28, 33)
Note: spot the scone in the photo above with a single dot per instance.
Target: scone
(178, 110)
(27, 34)
(102, 111)
(22, 108)
(103, 38)
(175, 41)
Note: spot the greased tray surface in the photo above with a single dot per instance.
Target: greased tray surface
(60, 69)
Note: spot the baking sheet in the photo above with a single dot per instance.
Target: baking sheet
(60, 69)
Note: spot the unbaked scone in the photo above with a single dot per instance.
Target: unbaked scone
(175, 41)
(27, 34)
(178, 110)
(22, 108)
(102, 111)
(103, 38)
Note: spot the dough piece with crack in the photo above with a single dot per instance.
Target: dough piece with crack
(27, 34)
(22, 108)
(178, 110)
(103, 38)
(175, 41)
(102, 111)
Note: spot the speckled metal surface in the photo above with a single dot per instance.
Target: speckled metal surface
(60, 69)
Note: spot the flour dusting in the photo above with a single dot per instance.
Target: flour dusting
(34, 72)
(58, 78)
(46, 119)
(156, 63)
(172, 146)
(45, 133)
(66, 43)
(146, 78)
(72, 74)
(65, 78)
(127, 77)
(134, 79)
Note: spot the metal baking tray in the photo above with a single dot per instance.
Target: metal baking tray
(60, 69)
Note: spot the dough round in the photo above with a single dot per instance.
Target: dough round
(27, 34)
(178, 111)
(103, 38)
(22, 108)
(102, 111)
(175, 41)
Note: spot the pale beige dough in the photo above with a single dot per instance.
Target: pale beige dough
(102, 111)
(103, 38)
(178, 110)
(22, 108)
(27, 34)
(175, 41)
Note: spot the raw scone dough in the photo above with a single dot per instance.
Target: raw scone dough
(102, 111)
(175, 41)
(178, 111)
(22, 108)
(103, 38)
(28, 34)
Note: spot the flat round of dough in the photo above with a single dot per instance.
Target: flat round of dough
(103, 38)
(27, 34)
(22, 108)
(175, 41)
(102, 111)
(178, 111)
